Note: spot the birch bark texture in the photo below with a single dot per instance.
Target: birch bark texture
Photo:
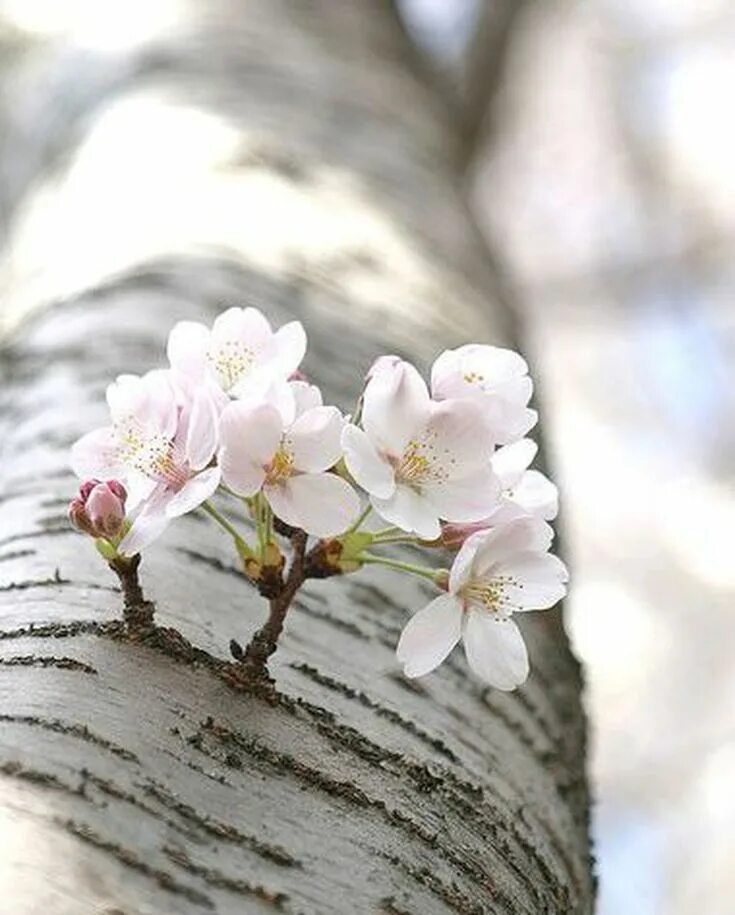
(284, 154)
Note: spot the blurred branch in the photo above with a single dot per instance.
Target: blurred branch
(484, 69)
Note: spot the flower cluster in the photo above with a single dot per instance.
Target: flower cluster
(445, 466)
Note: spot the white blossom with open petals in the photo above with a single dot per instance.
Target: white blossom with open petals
(419, 460)
(496, 377)
(239, 354)
(160, 447)
(496, 573)
(523, 493)
(261, 450)
(531, 490)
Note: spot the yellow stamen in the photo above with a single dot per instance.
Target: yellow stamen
(280, 467)
(231, 361)
(490, 595)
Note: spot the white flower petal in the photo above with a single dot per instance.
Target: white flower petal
(246, 325)
(540, 580)
(187, 349)
(314, 439)
(322, 504)
(459, 574)
(459, 436)
(370, 470)
(290, 343)
(95, 456)
(125, 395)
(197, 490)
(160, 411)
(521, 535)
(511, 461)
(537, 495)
(382, 363)
(150, 523)
(259, 389)
(201, 437)
(469, 499)
(395, 408)
(410, 511)
(474, 369)
(249, 437)
(139, 487)
(495, 650)
(430, 635)
(305, 396)
(494, 376)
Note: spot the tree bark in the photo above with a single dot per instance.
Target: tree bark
(283, 154)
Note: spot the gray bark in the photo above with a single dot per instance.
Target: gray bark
(134, 780)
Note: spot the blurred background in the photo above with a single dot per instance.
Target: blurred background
(601, 166)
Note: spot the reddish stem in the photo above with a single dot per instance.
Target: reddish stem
(264, 642)
(137, 611)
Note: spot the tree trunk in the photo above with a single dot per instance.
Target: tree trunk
(283, 154)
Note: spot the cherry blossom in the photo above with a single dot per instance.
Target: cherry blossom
(523, 492)
(287, 458)
(239, 354)
(234, 413)
(531, 490)
(496, 573)
(99, 509)
(496, 377)
(419, 460)
(160, 447)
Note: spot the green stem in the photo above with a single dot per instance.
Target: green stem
(268, 522)
(259, 523)
(357, 416)
(358, 524)
(385, 531)
(240, 541)
(395, 538)
(423, 571)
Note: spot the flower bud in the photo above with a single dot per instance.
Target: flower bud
(99, 509)
(454, 535)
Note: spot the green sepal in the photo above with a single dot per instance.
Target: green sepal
(353, 544)
(105, 549)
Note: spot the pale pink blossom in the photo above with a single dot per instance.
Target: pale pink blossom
(419, 460)
(524, 492)
(99, 509)
(286, 457)
(161, 448)
(496, 574)
(238, 355)
(530, 490)
(495, 377)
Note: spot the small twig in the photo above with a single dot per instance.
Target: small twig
(137, 611)
(264, 642)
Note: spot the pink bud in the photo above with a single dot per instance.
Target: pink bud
(454, 535)
(99, 509)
